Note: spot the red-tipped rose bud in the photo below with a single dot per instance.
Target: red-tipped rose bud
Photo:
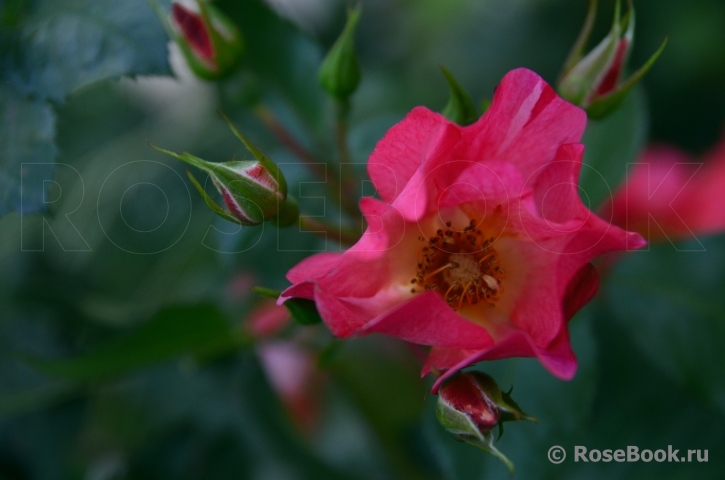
(466, 395)
(470, 405)
(210, 42)
(594, 81)
(253, 190)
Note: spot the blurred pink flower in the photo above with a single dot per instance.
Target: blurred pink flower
(267, 319)
(667, 196)
(291, 368)
(481, 245)
(292, 372)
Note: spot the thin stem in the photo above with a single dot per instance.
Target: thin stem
(341, 132)
(340, 234)
(269, 119)
(348, 184)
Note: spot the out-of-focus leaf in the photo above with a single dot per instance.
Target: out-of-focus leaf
(382, 381)
(670, 301)
(563, 410)
(199, 330)
(27, 133)
(638, 404)
(61, 46)
(612, 143)
(303, 311)
(284, 58)
(31, 399)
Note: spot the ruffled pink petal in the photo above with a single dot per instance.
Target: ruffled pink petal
(556, 186)
(442, 359)
(427, 320)
(338, 317)
(401, 151)
(525, 125)
(417, 198)
(314, 267)
(537, 310)
(386, 227)
(362, 270)
(580, 291)
(487, 184)
(558, 359)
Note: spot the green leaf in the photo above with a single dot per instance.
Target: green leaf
(62, 46)
(381, 378)
(670, 302)
(280, 55)
(611, 144)
(27, 134)
(460, 108)
(267, 292)
(303, 311)
(199, 330)
(658, 411)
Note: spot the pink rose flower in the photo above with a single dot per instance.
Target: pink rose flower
(669, 197)
(480, 247)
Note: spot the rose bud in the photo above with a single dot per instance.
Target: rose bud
(253, 190)
(210, 42)
(594, 81)
(339, 73)
(470, 405)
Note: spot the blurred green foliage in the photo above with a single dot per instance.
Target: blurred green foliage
(124, 348)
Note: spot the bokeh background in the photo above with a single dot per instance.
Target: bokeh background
(125, 306)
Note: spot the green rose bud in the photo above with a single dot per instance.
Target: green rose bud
(594, 81)
(339, 73)
(253, 191)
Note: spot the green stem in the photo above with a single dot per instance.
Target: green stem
(321, 170)
(269, 119)
(348, 184)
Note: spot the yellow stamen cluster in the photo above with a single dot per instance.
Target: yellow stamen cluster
(462, 265)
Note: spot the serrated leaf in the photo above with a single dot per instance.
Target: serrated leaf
(181, 330)
(61, 46)
(27, 133)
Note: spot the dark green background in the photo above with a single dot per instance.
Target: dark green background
(120, 352)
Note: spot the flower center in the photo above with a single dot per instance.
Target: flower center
(462, 265)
